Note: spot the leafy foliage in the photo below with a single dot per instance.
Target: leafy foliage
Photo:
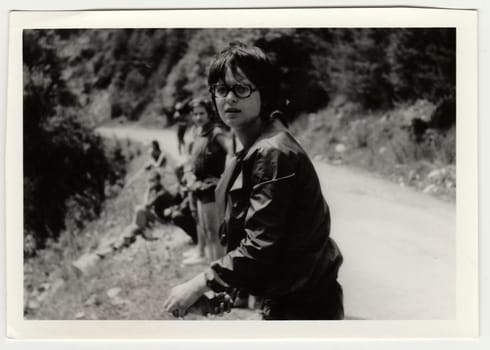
(65, 163)
(146, 71)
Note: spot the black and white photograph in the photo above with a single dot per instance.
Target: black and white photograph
(262, 172)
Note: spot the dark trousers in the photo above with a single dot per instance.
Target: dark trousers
(320, 304)
(188, 225)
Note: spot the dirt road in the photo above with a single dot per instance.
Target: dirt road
(399, 245)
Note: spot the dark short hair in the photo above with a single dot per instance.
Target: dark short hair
(155, 144)
(256, 66)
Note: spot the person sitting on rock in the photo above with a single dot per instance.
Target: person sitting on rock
(157, 199)
(181, 214)
(160, 205)
(157, 157)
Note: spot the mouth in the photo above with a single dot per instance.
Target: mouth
(232, 110)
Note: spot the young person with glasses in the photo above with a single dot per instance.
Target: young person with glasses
(275, 221)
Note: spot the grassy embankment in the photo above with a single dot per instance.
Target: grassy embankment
(384, 144)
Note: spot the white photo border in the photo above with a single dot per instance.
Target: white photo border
(467, 311)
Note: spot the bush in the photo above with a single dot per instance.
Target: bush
(66, 165)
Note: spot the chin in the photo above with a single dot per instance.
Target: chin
(230, 121)
(233, 123)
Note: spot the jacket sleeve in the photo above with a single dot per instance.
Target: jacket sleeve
(254, 264)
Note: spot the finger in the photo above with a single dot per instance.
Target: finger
(169, 304)
(228, 303)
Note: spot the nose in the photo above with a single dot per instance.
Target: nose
(231, 95)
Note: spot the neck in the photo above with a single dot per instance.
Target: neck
(249, 133)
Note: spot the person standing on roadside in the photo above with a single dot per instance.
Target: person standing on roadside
(207, 162)
(181, 118)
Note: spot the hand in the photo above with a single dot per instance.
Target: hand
(219, 303)
(196, 185)
(205, 185)
(211, 303)
(184, 295)
(211, 182)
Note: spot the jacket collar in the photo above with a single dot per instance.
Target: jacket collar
(230, 179)
(271, 128)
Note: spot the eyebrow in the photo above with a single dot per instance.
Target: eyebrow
(240, 80)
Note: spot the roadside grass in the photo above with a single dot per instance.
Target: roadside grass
(51, 265)
(140, 277)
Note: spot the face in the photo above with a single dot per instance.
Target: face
(237, 112)
(200, 115)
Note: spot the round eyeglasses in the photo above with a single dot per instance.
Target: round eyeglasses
(239, 90)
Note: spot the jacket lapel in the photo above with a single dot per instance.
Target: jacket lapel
(223, 185)
(230, 177)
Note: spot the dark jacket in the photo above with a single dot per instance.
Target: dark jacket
(208, 156)
(208, 161)
(276, 222)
